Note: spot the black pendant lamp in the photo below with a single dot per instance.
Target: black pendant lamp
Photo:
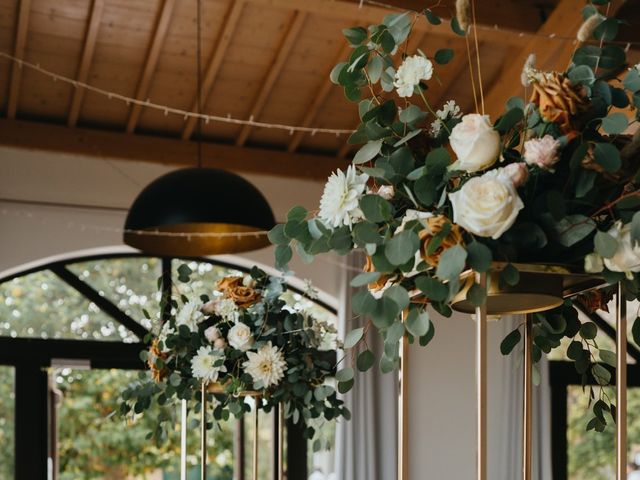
(198, 211)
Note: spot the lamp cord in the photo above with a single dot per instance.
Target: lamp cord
(199, 78)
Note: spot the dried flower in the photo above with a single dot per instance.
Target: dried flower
(588, 26)
(434, 227)
(463, 13)
(154, 354)
(595, 300)
(233, 289)
(528, 70)
(378, 287)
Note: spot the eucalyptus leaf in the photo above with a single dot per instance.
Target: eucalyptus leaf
(605, 244)
(353, 337)
(365, 360)
(615, 123)
(451, 263)
(418, 322)
(367, 152)
(510, 341)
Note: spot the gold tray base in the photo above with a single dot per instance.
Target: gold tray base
(541, 288)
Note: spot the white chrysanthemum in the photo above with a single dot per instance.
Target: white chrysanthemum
(207, 364)
(413, 69)
(266, 366)
(339, 202)
(190, 315)
(240, 337)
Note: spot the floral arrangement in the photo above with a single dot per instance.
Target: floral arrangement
(434, 191)
(243, 339)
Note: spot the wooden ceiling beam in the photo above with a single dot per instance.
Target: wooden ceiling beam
(565, 21)
(91, 35)
(22, 28)
(169, 151)
(153, 54)
(282, 55)
(219, 50)
(369, 14)
(323, 92)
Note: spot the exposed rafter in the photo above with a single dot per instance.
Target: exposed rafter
(370, 14)
(276, 67)
(220, 48)
(22, 27)
(564, 21)
(153, 54)
(319, 99)
(91, 35)
(163, 150)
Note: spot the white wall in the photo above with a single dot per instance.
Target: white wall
(442, 395)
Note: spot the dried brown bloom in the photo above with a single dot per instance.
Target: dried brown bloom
(435, 226)
(595, 300)
(233, 288)
(154, 354)
(381, 282)
(559, 101)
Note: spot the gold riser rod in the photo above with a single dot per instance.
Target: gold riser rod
(203, 432)
(481, 382)
(527, 433)
(403, 411)
(621, 385)
(255, 440)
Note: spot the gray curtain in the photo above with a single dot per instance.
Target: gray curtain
(509, 466)
(366, 445)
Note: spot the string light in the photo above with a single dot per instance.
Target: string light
(175, 111)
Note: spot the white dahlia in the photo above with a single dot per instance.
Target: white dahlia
(413, 69)
(266, 366)
(339, 202)
(207, 364)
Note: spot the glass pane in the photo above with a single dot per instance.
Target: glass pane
(7, 409)
(203, 279)
(592, 454)
(43, 306)
(94, 441)
(130, 282)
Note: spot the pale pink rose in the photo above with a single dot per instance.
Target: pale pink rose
(517, 172)
(219, 344)
(542, 152)
(209, 308)
(386, 191)
(212, 334)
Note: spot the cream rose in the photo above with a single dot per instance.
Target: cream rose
(240, 337)
(627, 256)
(212, 334)
(475, 142)
(488, 205)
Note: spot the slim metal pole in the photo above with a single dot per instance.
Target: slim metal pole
(183, 440)
(280, 441)
(481, 382)
(203, 433)
(255, 440)
(403, 411)
(527, 433)
(621, 385)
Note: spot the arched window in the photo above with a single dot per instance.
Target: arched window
(70, 336)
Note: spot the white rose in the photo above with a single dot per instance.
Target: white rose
(488, 205)
(627, 256)
(212, 334)
(517, 172)
(593, 263)
(475, 142)
(240, 337)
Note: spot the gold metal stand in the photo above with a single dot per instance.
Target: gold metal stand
(203, 432)
(403, 411)
(280, 453)
(481, 381)
(621, 385)
(255, 441)
(183, 440)
(527, 395)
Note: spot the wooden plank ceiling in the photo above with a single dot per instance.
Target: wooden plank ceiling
(265, 59)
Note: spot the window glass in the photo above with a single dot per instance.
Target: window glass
(7, 409)
(131, 283)
(42, 305)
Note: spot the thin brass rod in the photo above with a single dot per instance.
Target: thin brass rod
(403, 411)
(481, 382)
(203, 432)
(255, 440)
(527, 431)
(280, 441)
(621, 385)
(183, 440)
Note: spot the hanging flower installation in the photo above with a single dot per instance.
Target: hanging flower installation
(242, 339)
(434, 191)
